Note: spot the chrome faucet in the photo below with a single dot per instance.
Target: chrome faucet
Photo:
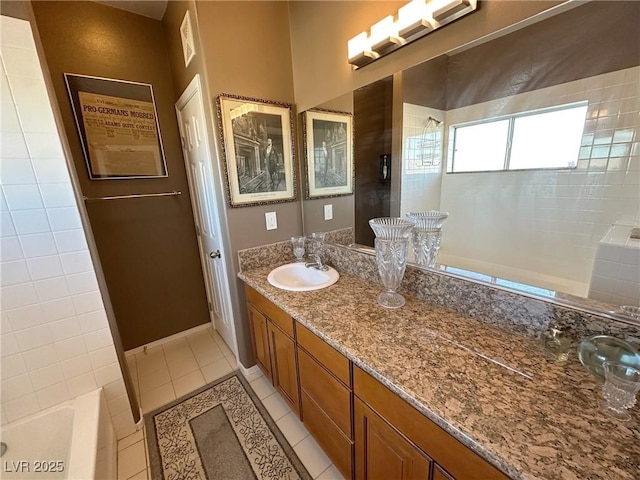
(317, 263)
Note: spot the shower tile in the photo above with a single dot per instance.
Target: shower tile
(45, 377)
(50, 170)
(16, 296)
(64, 218)
(98, 340)
(53, 395)
(52, 289)
(8, 345)
(81, 384)
(15, 171)
(58, 195)
(27, 222)
(92, 321)
(103, 357)
(76, 366)
(76, 262)
(44, 145)
(40, 357)
(12, 273)
(45, 267)
(38, 245)
(64, 329)
(70, 241)
(72, 347)
(58, 309)
(10, 249)
(108, 374)
(82, 282)
(26, 317)
(88, 302)
(20, 62)
(13, 366)
(21, 407)
(34, 337)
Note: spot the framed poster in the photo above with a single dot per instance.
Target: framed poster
(257, 142)
(118, 127)
(328, 147)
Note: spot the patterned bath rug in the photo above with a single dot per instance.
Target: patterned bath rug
(220, 431)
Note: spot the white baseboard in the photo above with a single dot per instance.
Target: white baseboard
(164, 340)
(248, 371)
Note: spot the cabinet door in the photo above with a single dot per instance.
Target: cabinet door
(259, 335)
(284, 373)
(383, 453)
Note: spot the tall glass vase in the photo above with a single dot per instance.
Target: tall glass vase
(392, 243)
(427, 235)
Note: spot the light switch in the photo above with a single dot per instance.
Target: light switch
(328, 212)
(271, 220)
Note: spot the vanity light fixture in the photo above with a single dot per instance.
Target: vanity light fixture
(384, 36)
(359, 50)
(413, 21)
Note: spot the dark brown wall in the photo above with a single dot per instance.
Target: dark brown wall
(147, 247)
(372, 118)
(426, 84)
(589, 40)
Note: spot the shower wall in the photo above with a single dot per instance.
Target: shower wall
(56, 343)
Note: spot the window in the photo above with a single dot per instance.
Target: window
(538, 139)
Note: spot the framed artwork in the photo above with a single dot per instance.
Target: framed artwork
(328, 147)
(186, 37)
(118, 127)
(257, 143)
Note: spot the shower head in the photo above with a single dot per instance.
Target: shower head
(435, 120)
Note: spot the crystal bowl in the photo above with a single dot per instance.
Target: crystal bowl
(593, 351)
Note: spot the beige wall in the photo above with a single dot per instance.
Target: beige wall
(320, 31)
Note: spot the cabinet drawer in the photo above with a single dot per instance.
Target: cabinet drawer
(275, 314)
(337, 447)
(454, 457)
(328, 356)
(330, 395)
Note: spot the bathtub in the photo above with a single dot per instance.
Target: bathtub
(74, 440)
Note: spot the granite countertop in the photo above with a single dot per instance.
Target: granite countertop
(491, 389)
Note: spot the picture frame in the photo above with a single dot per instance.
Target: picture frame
(258, 150)
(117, 123)
(328, 148)
(186, 38)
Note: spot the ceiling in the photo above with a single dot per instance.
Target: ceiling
(148, 8)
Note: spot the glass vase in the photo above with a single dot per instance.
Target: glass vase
(427, 235)
(391, 243)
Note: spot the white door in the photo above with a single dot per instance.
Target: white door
(195, 146)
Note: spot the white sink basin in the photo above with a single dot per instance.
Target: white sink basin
(298, 278)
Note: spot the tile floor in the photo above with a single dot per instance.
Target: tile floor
(180, 366)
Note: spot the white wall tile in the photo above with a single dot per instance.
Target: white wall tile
(81, 384)
(71, 347)
(21, 407)
(119, 405)
(10, 249)
(82, 282)
(8, 345)
(38, 245)
(40, 357)
(76, 262)
(70, 241)
(58, 309)
(88, 302)
(43, 145)
(114, 389)
(16, 33)
(15, 387)
(92, 321)
(12, 273)
(7, 228)
(16, 296)
(3, 203)
(13, 146)
(53, 395)
(103, 357)
(98, 340)
(5, 325)
(108, 374)
(76, 366)
(51, 288)
(12, 366)
(64, 329)
(58, 195)
(30, 95)
(47, 376)
(45, 267)
(30, 221)
(22, 197)
(20, 62)
(16, 171)
(65, 218)
(34, 337)
(26, 317)
(50, 170)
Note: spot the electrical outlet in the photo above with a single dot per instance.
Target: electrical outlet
(328, 212)
(271, 220)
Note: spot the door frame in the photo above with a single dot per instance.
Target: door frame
(195, 87)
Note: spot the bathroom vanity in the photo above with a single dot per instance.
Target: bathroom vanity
(424, 392)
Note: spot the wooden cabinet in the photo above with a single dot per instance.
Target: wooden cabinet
(260, 339)
(272, 335)
(390, 433)
(382, 452)
(284, 373)
(367, 431)
(327, 398)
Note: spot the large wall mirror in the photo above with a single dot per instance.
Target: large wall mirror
(530, 141)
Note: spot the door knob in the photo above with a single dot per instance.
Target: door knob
(215, 254)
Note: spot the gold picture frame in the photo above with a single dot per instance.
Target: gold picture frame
(328, 148)
(258, 150)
